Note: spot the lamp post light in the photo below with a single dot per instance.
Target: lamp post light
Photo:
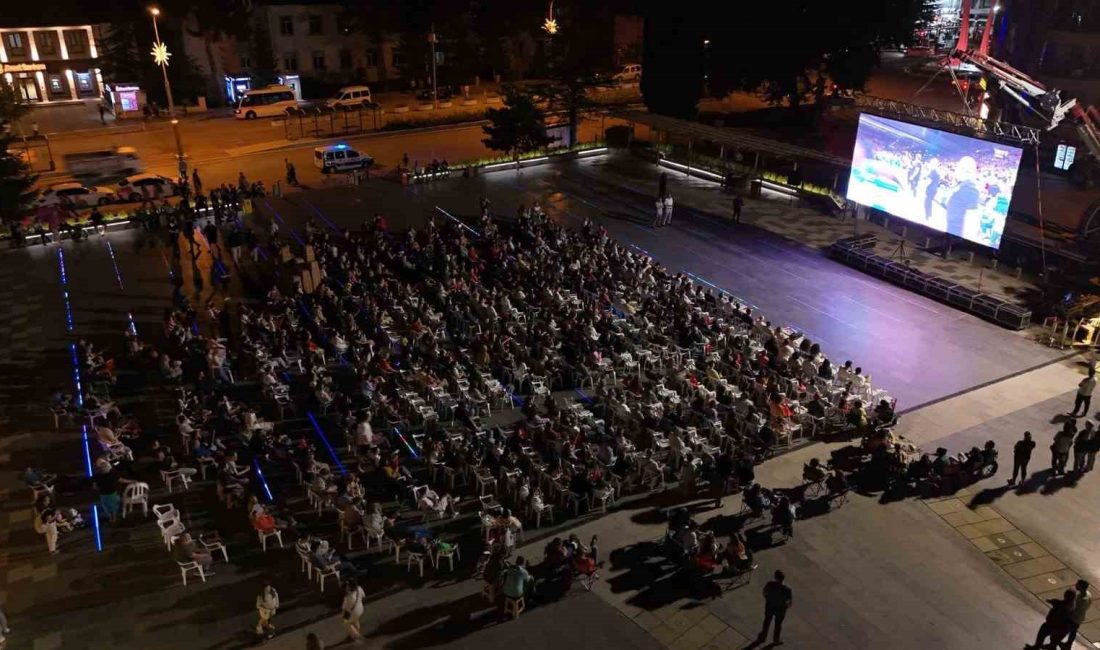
(160, 57)
(433, 38)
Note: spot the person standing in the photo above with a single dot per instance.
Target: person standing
(1058, 622)
(102, 113)
(291, 173)
(1084, 395)
(1021, 456)
(1077, 613)
(738, 204)
(1094, 446)
(658, 221)
(1081, 447)
(352, 608)
(1059, 449)
(668, 209)
(777, 600)
(267, 604)
(196, 182)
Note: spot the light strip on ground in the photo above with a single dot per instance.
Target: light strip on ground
(114, 263)
(79, 396)
(457, 220)
(65, 289)
(411, 449)
(87, 451)
(95, 528)
(133, 325)
(691, 170)
(324, 439)
(263, 481)
(584, 396)
(322, 215)
(293, 232)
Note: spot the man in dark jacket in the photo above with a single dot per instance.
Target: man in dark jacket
(1021, 455)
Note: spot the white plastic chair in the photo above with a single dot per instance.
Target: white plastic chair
(324, 573)
(188, 567)
(305, 562)
(165, 511)
(277, 534)
(171, 531)
(449, 554)
(136, 494)
(415, 556)
(171, 477)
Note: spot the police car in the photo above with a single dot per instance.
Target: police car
(339, 158)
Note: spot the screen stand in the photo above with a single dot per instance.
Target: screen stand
(901, 253)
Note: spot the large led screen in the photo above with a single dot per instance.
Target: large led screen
(948, 182)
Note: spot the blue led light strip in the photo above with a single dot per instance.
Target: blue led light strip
(87, 451)
(263, 481)
(114, 263)
(324, 439)
(65, 289)
(95, 528)
(293, 232)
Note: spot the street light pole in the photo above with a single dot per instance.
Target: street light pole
(163, 62)
(432, 38)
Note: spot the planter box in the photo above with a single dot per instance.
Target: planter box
(469, 102)
(425, 107)
(401, 109)
(446, 104)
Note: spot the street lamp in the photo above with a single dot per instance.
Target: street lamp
(160, 57)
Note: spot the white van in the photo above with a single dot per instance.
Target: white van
(265, 102)
(630, 73)
(350, 96)
(339, 158)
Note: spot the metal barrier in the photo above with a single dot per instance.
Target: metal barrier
(331, 122)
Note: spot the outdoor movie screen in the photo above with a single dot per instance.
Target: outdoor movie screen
(951, 183)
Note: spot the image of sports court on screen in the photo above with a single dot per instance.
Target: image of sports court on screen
(951, 183)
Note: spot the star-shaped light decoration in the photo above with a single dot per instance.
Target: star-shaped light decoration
(160, 53)
(550, 26)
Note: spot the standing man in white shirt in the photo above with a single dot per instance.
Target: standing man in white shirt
(659, 220)
(668, 209)
(1084, 395)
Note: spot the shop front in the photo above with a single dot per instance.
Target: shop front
(53, 81)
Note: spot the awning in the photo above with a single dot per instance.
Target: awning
(729, 137)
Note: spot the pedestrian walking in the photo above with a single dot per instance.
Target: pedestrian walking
(242, 182)
(211, 234)
(594, 549)
(1084, 395)
(1081, 603)
(196, 182)
(1081, 446)
(1058, 622)
(291, 173)
(738, 204)
(659, 220)
(1021, 456)
(668, 209)
(98, 224)
(102, 113)
(1059, 449)
(267, 604)
(777, 600)
(352, 608)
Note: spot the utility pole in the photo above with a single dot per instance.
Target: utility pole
(433, 39)
(160, 53)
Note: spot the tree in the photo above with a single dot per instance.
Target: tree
(575, 62)
(120, 59)
(263, 57)
(213, 20)
(516, 128)
(16, 181)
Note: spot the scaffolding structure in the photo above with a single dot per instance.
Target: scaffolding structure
(972, 124)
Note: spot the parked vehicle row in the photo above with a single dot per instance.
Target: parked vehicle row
(138, 187)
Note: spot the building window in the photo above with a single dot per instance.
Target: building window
(371, 59)
(14, 43)
(345, 59)
(56, 85)
(46, 42)
(318, 60)
(290, 62)
(76, 42)
(84, 82)
(286, 25)
(315, 25)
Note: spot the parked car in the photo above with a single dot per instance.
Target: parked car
(146, 186)
(442, 93)
(630, 73)
(77, 194)
(350, 96)
(271, 101)
(340, 157)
